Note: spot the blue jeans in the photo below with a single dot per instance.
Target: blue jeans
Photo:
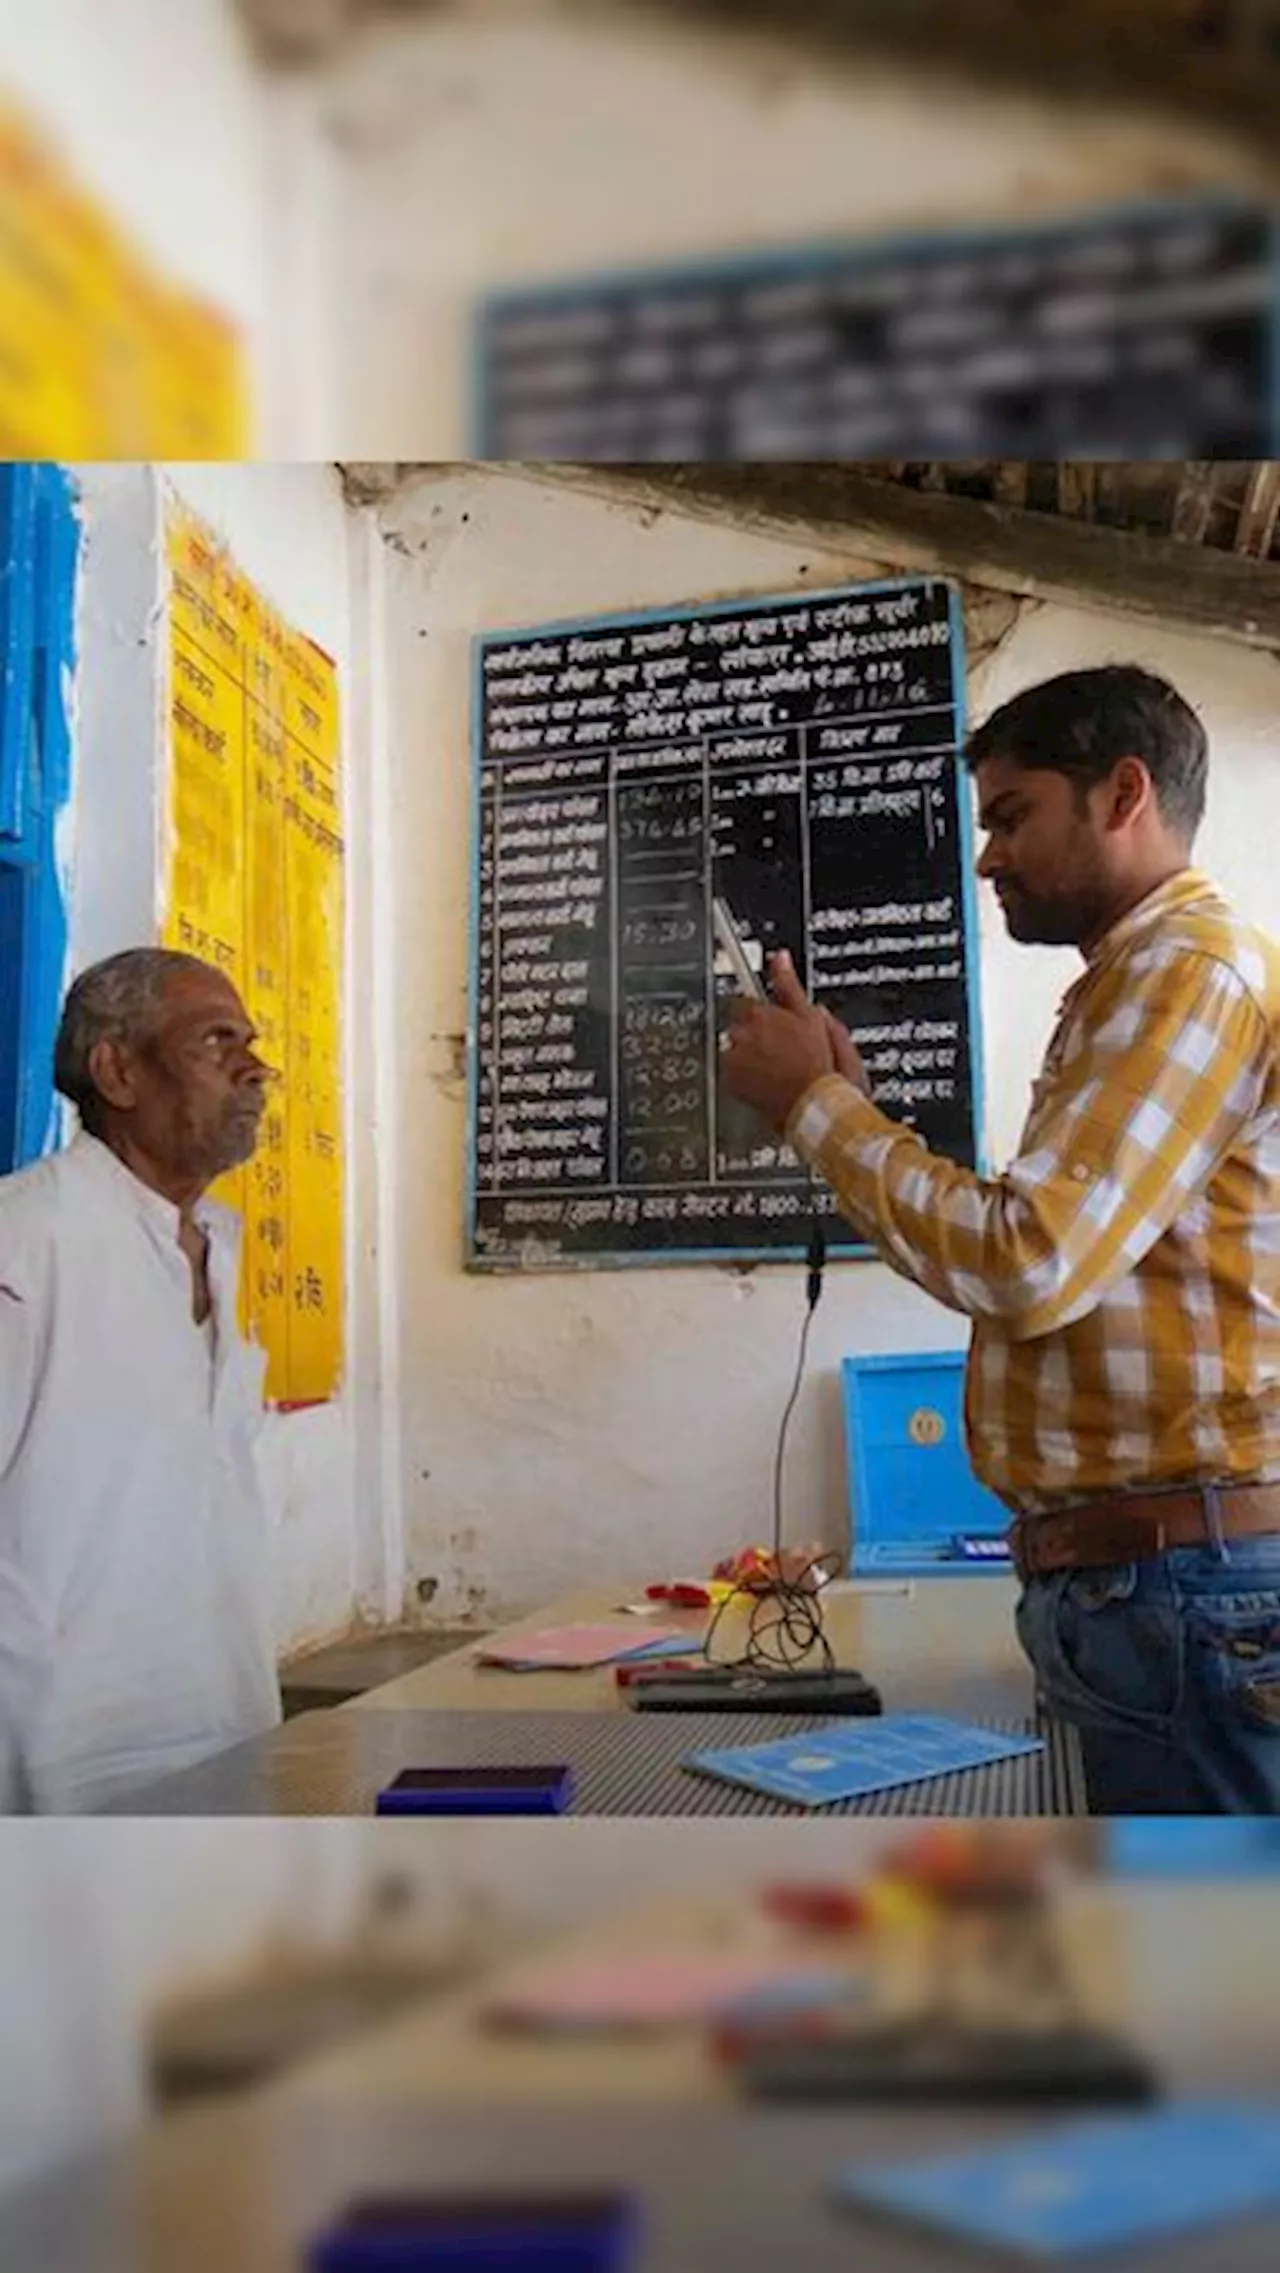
(1170, 1669)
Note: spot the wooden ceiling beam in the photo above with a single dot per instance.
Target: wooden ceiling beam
(1043, 556)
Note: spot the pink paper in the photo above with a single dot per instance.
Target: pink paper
(652, 1989)
(572, 1647)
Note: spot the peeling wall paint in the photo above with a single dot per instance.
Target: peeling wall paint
(584, 1427)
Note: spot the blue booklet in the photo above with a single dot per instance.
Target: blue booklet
(1108, 2183)
(847, 1759)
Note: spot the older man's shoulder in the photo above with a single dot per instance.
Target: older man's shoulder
(32, 1211)
(31, 1196)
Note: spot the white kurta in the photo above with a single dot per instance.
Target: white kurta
(135, 1632)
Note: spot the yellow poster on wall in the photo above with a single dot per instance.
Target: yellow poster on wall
(101, 357)
(255, 885)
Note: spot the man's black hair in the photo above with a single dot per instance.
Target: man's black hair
(1083, 722)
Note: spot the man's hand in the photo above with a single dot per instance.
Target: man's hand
(847, 1055)
(777, 1050)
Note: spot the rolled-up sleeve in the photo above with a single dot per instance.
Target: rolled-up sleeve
(1131, 1132)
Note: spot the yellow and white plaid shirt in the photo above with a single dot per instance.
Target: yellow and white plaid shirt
(1123, 1274)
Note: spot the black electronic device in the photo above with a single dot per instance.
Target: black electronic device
(751, 1689)
(931, 2061)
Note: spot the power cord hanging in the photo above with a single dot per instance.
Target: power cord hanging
(785, 1623)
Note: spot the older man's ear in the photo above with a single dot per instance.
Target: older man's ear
(111, 1066)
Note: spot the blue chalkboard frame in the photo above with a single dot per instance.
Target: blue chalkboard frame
(39, 553)
(818, 256)
(475, 1258)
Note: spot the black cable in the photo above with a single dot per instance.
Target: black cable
(785, 1624)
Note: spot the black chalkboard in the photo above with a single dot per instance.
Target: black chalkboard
(797, 755)
(1142, 333)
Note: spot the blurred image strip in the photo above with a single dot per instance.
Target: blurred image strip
(224, 2044)
(540, 229)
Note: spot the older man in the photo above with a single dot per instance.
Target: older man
(134, 1628)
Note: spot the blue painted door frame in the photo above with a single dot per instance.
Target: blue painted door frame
(39, 541)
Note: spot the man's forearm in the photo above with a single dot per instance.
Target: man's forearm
(982, 1247)
(837, 1130)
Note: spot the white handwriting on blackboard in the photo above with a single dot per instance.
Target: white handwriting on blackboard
(909, 912)
(851, 951)
(523, 656)
(620, 767)
(908, 1030)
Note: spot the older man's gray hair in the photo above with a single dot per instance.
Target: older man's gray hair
(115, 1001)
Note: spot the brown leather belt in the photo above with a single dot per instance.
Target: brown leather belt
(1128, 1527)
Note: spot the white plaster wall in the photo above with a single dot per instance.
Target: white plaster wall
(115, 714)
(287, 528)
(286, 525)
(161, 112)
(565, 1429)
(483, 146)
(1237, 692)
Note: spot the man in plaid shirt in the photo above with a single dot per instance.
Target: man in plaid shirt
(1123, 1274)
